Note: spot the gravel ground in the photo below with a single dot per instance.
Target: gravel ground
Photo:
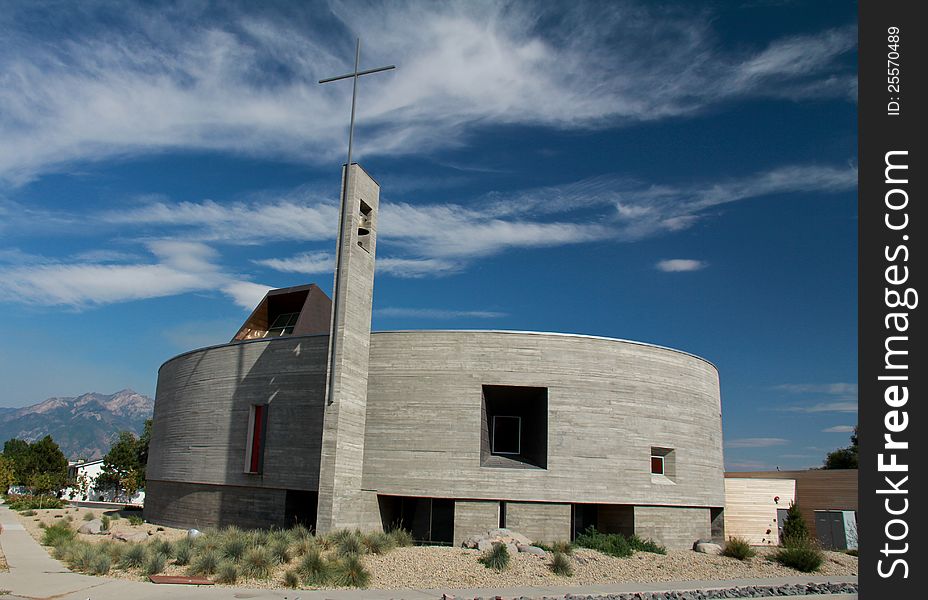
(51, 516)
(453, 568)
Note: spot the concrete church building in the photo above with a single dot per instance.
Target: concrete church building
(446, 433)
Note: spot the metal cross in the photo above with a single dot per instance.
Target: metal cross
(345, 211)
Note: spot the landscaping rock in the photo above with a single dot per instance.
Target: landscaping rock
(497, 536)
(193, 534)
(94, 527)
(532, 550)
(708, 548)
(139, 536)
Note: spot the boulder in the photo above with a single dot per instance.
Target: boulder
(94, 527)
(532, 550)
(138, 536)
(707, 548)
(193, 534)
(512, 548)
(472, 541)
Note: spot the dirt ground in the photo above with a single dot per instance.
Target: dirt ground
(426, 567)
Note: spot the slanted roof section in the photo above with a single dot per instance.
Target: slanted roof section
(298, 310)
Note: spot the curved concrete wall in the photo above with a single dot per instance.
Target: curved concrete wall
(609, 402)
(202, 407)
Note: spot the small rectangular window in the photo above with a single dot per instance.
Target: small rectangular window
(507, 435)
(657, 465)
(257, 428)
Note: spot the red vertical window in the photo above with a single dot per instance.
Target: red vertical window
(259, 422)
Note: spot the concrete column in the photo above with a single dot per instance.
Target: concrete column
(342, 503)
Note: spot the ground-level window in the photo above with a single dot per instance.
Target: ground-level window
(257, 432)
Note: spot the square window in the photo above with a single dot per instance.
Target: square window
(663, 465)
(514, 427)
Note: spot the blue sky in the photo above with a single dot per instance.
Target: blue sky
(682, 174)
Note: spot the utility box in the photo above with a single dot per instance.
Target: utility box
(836, 529)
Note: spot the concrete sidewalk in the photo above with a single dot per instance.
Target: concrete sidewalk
(34, 574)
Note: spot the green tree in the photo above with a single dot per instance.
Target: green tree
(795, 530)
(844, 458)
(121, 465)
(47, 465)
(17, 452)
(144, 441)
(7, 473)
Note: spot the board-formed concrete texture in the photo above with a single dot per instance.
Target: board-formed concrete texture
(445, 433)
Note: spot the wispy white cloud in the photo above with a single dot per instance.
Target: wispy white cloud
(758, 442)
(437, 313)
(180, 267)
(120, 83)
(680, 265)
(839, 429)
(822, 397)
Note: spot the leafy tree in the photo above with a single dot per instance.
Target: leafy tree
(844, 458)
(123, 466)
(144, 441)
(795, 530)
(7, 473)
(17, 452)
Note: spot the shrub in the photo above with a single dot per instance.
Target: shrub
(563, 546)
(133, 557)
(105, 523)
(101, 564)
(560, 565)
(496, 557)
(227, 572)
(401, 537)
(57, 534)
(613, 544)
(795, 530)
(28, 513)
(738, 548)
(377, 543)
(805, 557)
(234, 546)
(163, 547)
(29, 502)
(205, 563)
(348, 543)
(154, 564)
(291, 579)
(257, 563)
(135, 520)
(183, 552)
(639, 545)
(280, 551)
(89, 516)
(316, 571)
(350, 572)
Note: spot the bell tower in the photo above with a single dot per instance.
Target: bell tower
(342, 502)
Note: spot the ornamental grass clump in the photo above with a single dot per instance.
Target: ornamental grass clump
(226, 572)
(257, 563)
(89, 516)
(204, 563)
(291, 579)
(738, 548)
(183, 552)
(401, 537)
(348, 543)
(133, 557)
(280, 551)
(154, 564)
(233, 547)
(377, 543)
(315, 570)
(560, 565)
(58, 534)
(135, 520)
(100, 565)
(496, 558)
(350, 572)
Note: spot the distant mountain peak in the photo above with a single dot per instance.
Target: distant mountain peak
(83, 425)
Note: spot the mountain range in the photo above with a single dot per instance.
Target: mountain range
(83, 426)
